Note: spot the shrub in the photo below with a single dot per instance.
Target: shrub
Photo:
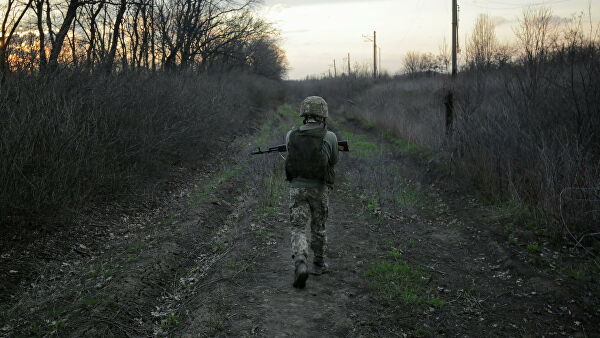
(73, 138)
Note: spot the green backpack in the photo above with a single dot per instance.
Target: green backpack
(306, 157)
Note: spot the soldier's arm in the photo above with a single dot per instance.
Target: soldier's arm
(333, 146)
(287, 137)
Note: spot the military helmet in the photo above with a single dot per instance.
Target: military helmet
(314, 106)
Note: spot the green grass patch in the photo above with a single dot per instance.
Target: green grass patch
(205, 193)
(409, 196)
(395, 253)
(219, 245)
(396, 280)
(404, 145)
(583, 271)
(534, 248)
(90, 301)
(286, 111)
(170, 321)
(436, 302)
(534, 219)
(370, 202)
(265, 234)
(360, 147)
(266, 211)
(137, 246)
(393, 279)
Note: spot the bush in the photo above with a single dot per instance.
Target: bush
(73, 138)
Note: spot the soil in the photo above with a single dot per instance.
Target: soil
(212, 258)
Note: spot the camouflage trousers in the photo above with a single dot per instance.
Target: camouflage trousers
(309, 207)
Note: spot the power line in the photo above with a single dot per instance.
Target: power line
(499, 5)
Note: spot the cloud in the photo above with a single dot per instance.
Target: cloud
(560, 19)
(295, 3)
(500, 20)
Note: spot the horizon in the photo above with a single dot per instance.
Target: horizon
(312, 44)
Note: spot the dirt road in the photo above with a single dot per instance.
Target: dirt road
(413, 252)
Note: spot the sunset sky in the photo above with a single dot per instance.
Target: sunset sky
(316, 32)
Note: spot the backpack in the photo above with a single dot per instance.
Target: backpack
(306, 157)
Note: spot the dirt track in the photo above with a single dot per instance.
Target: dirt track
(412, 252)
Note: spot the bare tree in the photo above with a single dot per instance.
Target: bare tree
(535, 32)
(415, 62)
(482, 45)
(59, 38)
(179, 34)
(12, 12)
(443, 55)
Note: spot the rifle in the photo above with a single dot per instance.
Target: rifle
(282, 148)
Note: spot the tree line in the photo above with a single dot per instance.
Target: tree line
(540, 37)
(120, 35)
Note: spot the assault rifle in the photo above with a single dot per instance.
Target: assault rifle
(282, 148)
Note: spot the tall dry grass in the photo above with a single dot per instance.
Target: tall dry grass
(72, 138)
(526, 131)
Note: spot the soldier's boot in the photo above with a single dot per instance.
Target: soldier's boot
(319, 268)
(300, 275)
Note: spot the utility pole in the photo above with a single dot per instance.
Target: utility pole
(449, 101)
(374, 54)
(349, 65)
(334, 69)
(454, 36)
(374, 39)
(379, 62)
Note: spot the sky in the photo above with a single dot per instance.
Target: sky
(314, 33)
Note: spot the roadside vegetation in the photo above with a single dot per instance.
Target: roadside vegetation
(525, 117)
(109, 99)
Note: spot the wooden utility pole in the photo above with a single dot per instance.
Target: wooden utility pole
(375, 54)
(334, 69)
(449, 101)
(454, 36)
(379, 62)
(349, 64)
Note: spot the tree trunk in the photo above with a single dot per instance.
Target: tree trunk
(39, 7)
(59, 39)
(115, 38)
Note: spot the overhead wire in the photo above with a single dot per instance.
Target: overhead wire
(503, 5)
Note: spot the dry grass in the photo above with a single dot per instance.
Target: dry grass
(525, 131)
(72, 138)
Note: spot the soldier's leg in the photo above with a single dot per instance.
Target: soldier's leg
(299, 218)
(319, 202)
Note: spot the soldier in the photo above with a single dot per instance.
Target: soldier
(309, 167)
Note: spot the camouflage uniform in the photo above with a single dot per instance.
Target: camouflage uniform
(309, 198)
(309, 206)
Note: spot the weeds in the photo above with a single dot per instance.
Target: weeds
(77, 138)
(170, 321)
(204, 194)
(137, 246)
(394, 279)
(408, 196)
(370, 202)
(265, 234)
(361, 147)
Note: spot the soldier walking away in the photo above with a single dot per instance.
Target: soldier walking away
(309, 167)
